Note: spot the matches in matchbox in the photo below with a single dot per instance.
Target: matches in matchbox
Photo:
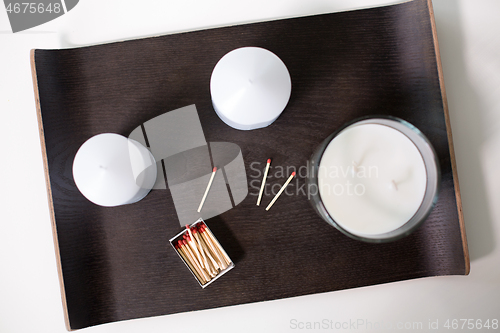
(202, 253)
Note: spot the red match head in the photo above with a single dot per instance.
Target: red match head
(187, 226)
(268, 160)
(183, 242)
(179, 243)
(215, 169)
(293, 173)
(194, 230)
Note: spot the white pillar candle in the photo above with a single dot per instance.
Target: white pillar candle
(250, 87)
(111, 170)
(372, 179)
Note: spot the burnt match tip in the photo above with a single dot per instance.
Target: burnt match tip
(268, 160)
(215, 169)
(293, 173)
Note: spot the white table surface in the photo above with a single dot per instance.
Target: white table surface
(469, 37)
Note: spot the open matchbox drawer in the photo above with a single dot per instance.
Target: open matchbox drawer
(189, 266)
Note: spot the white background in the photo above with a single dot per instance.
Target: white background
(469, 36)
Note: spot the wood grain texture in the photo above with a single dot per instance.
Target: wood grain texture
(49, 189)
(450, 140)
(117, 263)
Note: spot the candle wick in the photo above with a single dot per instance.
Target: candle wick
(354, 168)
(395, 185)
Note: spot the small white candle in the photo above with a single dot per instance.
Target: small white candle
(250, 87)
(111, 170)
(372, 179)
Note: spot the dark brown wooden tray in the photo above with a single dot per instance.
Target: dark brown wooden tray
(116, 263)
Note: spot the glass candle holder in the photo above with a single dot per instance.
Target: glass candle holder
(376, 179)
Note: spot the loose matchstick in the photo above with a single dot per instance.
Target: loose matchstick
(208, 189)
(263, 181)
(281, 191)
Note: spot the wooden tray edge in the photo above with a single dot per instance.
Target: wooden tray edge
(450, 140)
(49, 189)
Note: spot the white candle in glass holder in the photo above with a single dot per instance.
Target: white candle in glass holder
(112, 170)
(372, 179)
(250, 87)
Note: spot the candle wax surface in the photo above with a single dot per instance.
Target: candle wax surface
(112, 170)
(250, 87)
(371, 179)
